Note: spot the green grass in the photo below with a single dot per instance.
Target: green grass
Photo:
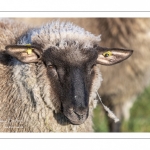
(139, 120)
(100, 120)
(140, 114)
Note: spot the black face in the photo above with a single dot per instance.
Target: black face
(71, 74)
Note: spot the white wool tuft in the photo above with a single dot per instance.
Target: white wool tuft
(110, 113)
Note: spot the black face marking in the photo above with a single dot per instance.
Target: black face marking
(70, 71)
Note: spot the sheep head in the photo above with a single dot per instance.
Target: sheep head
(72, 71)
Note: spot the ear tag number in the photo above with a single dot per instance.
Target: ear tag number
(107, 54)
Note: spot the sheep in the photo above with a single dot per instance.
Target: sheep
(49, 76)
(131, 77)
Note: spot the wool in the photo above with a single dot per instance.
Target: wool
(28, 102)
(60, 35)
(125, 81)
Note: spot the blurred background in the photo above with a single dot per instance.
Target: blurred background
(126, 86)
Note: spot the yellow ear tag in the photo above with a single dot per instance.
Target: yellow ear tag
(107, 54)
(28, 44)
(29, 51)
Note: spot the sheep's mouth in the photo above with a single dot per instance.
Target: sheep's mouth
(74, 117)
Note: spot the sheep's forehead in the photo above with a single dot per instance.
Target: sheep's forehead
(70, 56)
(60, 33)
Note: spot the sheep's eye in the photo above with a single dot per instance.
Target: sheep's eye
(50, 66)
(107, 54)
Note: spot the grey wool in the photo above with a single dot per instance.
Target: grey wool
(27, 100)
(49, 76)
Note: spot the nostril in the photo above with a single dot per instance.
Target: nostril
(81, 110)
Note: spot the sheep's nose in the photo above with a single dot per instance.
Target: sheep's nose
(81, 110)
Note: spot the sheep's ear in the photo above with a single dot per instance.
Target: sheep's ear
(111, 56)
(24, 53)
